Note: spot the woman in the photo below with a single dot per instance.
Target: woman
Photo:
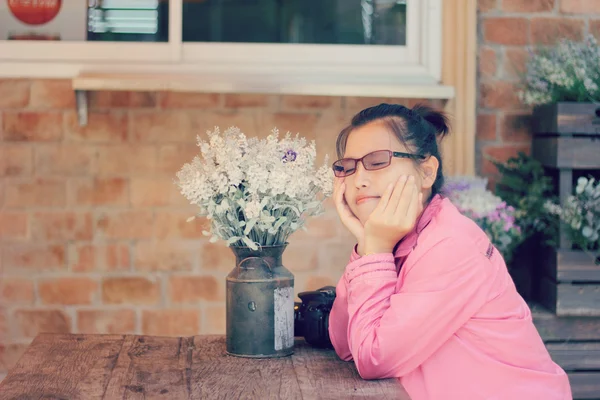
(426, 297)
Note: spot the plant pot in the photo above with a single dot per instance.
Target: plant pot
(260, 304)
(566, 140)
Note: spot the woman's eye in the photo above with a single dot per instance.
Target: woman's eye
(349, 170)
(377, 164)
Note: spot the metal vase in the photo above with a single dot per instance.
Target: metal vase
(260, 304)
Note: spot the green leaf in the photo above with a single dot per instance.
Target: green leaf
(250, 243)
(250, 225)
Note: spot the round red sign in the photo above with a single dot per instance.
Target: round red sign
(34, 12)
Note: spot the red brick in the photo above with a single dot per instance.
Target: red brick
(580, 7)
(595, 28)
(333, 257)
(175, 225)
(99, 257)
(499, 95)
(14, 93)
(60, 226)
(41, 192)
(437, 104)
(238, 100)
(130, 290)
(215, 320)
(528, 6)
(300, 256)
(99, 192)
(32, 126)
(487, 5)
(322, 227)
(126, 225)
(102, 126)
(10, 354)
(189, 100)
(315, 282)
(216, 257)
(500, 153)
(121, 99)
(52, 93)
(172, 157)
(487, 62)
(126, 160)
(506, 30)
(33, 257)
(106, 321)
(16, 291)
(173, 322)
(302, 123)
(148, 192)
(193, 289)
(516, 128)
(515, 63)
(63, 160)
(551, 30)
(16, 160)
(310, 102)
(32, 322)
(68, 291)
(163, 126)
(14, 225)
(165, 256)
(328, 127)
(486, 127)
(250, 123)
(356, 104)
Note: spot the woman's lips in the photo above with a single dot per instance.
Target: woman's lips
(365, 199)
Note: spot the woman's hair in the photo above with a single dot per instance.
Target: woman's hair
(417, 129)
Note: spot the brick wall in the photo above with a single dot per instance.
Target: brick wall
(507, 29)
(93, 232)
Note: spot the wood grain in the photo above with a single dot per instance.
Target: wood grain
(70, 366)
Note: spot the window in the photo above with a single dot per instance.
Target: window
(286, 42)
(296, 21)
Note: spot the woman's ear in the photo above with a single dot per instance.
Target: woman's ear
(429, 170)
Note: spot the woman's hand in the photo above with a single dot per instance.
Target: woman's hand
(347, 217)
(394, 217)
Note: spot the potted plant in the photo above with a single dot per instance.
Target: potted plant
(256, 193)
(493, 215)
(525, 186)
(562, 84)
(581, 216)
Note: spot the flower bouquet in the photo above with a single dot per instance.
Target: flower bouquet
(256, 193)
(491, 213)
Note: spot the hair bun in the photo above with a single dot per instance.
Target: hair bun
(438, 119)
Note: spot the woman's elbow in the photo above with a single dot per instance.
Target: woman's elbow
(370, 370)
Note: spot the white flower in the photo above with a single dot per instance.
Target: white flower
(255, 191)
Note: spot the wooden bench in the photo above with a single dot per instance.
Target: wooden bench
(574, 344)
(75, 366)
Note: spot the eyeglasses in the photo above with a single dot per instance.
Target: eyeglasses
(373, 161)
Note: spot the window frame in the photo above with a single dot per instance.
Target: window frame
(417, 63)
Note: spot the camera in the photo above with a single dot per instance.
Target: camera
(311, 316)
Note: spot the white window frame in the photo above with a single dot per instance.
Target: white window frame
(417, 63)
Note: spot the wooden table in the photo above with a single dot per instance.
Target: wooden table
(72, 366)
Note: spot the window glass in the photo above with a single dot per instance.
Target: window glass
(380, 22)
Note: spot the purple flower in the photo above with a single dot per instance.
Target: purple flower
(289, 156)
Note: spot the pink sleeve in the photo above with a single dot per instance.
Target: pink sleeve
(338, 317)
(391, 333)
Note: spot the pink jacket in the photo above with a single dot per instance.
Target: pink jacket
(442, 314)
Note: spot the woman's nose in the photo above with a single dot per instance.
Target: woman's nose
(361, 176)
